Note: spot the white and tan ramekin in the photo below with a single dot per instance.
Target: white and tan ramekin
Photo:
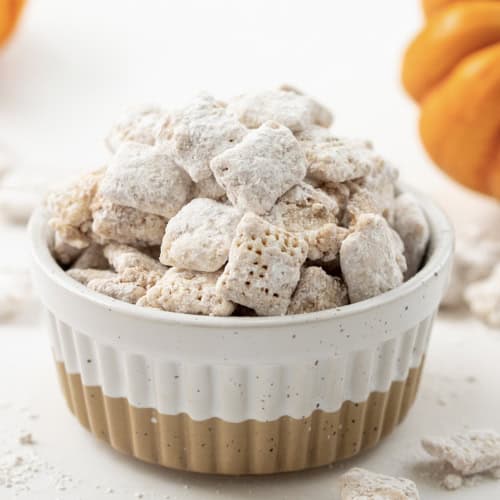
(241, 395)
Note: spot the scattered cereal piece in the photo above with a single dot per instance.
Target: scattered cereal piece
(92, 257)
(26, 439)
(209, 188)
(483, 298)
(188, 292)
(294, 111)
(137, 125)
(199, 236)
(361, 484)
(123, 257)
(146, 178)
(316, 291)
(339, 160)
(264, 266)
(83, 276)
(475, 257)
(469, 452)
(371, 258)
(198, 133)
(411, 225)
(261, 168)
(71, 209)
(113, 287)
(15, 289)
(126, 225)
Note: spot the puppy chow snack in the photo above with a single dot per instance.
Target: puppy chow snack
(83, 276)
(146, 178)
(250, 208)
(262, 167)
(189, 292)
(116, 289)
(339, 160)
(209, 188)
(324, 243)
(264, 266)
(371, 258)
(198, 133)
(381, 184)
(304, 207)
(136, 125)
(70, 209)
(134, 266)
(317, 291)
(289, 108)
(122, 257)
(322, 115)
(361, 484)
(411, 225)
(312, 213)
(116, 223)
(199, 236)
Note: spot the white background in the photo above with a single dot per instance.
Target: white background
(74, 65)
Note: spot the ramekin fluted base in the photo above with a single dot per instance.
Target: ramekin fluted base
(249, 447)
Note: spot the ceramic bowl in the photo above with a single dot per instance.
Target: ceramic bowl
(239, 395)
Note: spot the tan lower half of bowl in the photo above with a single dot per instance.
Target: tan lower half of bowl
(251, 447)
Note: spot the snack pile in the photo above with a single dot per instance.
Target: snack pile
(246, 207)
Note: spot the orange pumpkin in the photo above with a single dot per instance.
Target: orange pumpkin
(9, 14)
(452, 69)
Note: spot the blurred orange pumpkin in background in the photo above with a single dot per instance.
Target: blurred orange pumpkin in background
(9, 14)
(452, 69)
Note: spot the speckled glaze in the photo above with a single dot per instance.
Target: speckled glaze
(239, 370)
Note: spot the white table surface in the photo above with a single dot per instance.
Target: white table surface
(75, 65)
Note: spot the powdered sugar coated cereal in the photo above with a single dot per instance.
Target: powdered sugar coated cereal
(410, 223)
(361, 484)
(146, 178)
(261, 168)
(264, 266)
(198, 133)
(112, 222)
(136, 125)
(469, 452)
(188, 292)
(114, 288)
(288, 108)
(199, 236)
(317, 291)
(371, 258)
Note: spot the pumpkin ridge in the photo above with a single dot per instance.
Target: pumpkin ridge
(448, 37)
(459, 124)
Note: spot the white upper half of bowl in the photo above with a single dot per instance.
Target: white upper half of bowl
(334, 331)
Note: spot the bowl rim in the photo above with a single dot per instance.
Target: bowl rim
(440, 247)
